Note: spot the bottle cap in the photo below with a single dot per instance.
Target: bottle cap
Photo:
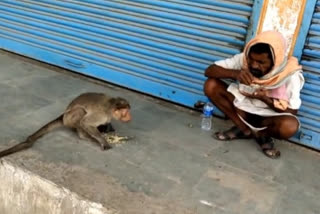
(208, 107)
(207, 113)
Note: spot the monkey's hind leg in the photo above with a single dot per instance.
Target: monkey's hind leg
(83, 135)
(96, 136)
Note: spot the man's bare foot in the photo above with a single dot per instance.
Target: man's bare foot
(231, 134)
(267, 145)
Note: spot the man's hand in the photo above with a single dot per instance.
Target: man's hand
(245, 77)
(260, 94)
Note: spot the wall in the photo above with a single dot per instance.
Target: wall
(284, 16)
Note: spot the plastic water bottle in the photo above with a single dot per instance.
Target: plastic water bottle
(206, 122)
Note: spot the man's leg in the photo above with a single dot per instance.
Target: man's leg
(280, 127)
(216, 90)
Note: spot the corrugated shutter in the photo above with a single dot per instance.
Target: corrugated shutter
(309, 112)
(157, 47)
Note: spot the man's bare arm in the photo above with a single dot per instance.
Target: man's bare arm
(218, 72)
(269, 102)
(261, 95)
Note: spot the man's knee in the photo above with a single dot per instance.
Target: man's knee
(288, 127)
(211, 86)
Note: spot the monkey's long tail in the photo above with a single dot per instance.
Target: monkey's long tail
(32, 138)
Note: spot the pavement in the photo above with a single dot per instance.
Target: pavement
(171, 166)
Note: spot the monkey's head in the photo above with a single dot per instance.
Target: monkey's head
(120, 109)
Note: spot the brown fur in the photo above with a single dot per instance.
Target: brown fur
(84, 114)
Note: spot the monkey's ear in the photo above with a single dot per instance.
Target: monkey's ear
(119, 103)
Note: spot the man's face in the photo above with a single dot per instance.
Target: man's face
(259, 64)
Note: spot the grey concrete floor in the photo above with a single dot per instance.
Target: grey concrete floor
(168, 167)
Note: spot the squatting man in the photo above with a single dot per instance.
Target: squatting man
(264, 97)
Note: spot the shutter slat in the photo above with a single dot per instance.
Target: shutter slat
(157, 47)
(309, 113)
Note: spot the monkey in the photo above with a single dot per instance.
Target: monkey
(89, 114)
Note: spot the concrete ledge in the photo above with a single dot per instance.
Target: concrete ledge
(24, 192)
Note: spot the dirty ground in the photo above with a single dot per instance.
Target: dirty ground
(170, 166)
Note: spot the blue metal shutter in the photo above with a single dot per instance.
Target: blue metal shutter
(157, 47)
(309, 112)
